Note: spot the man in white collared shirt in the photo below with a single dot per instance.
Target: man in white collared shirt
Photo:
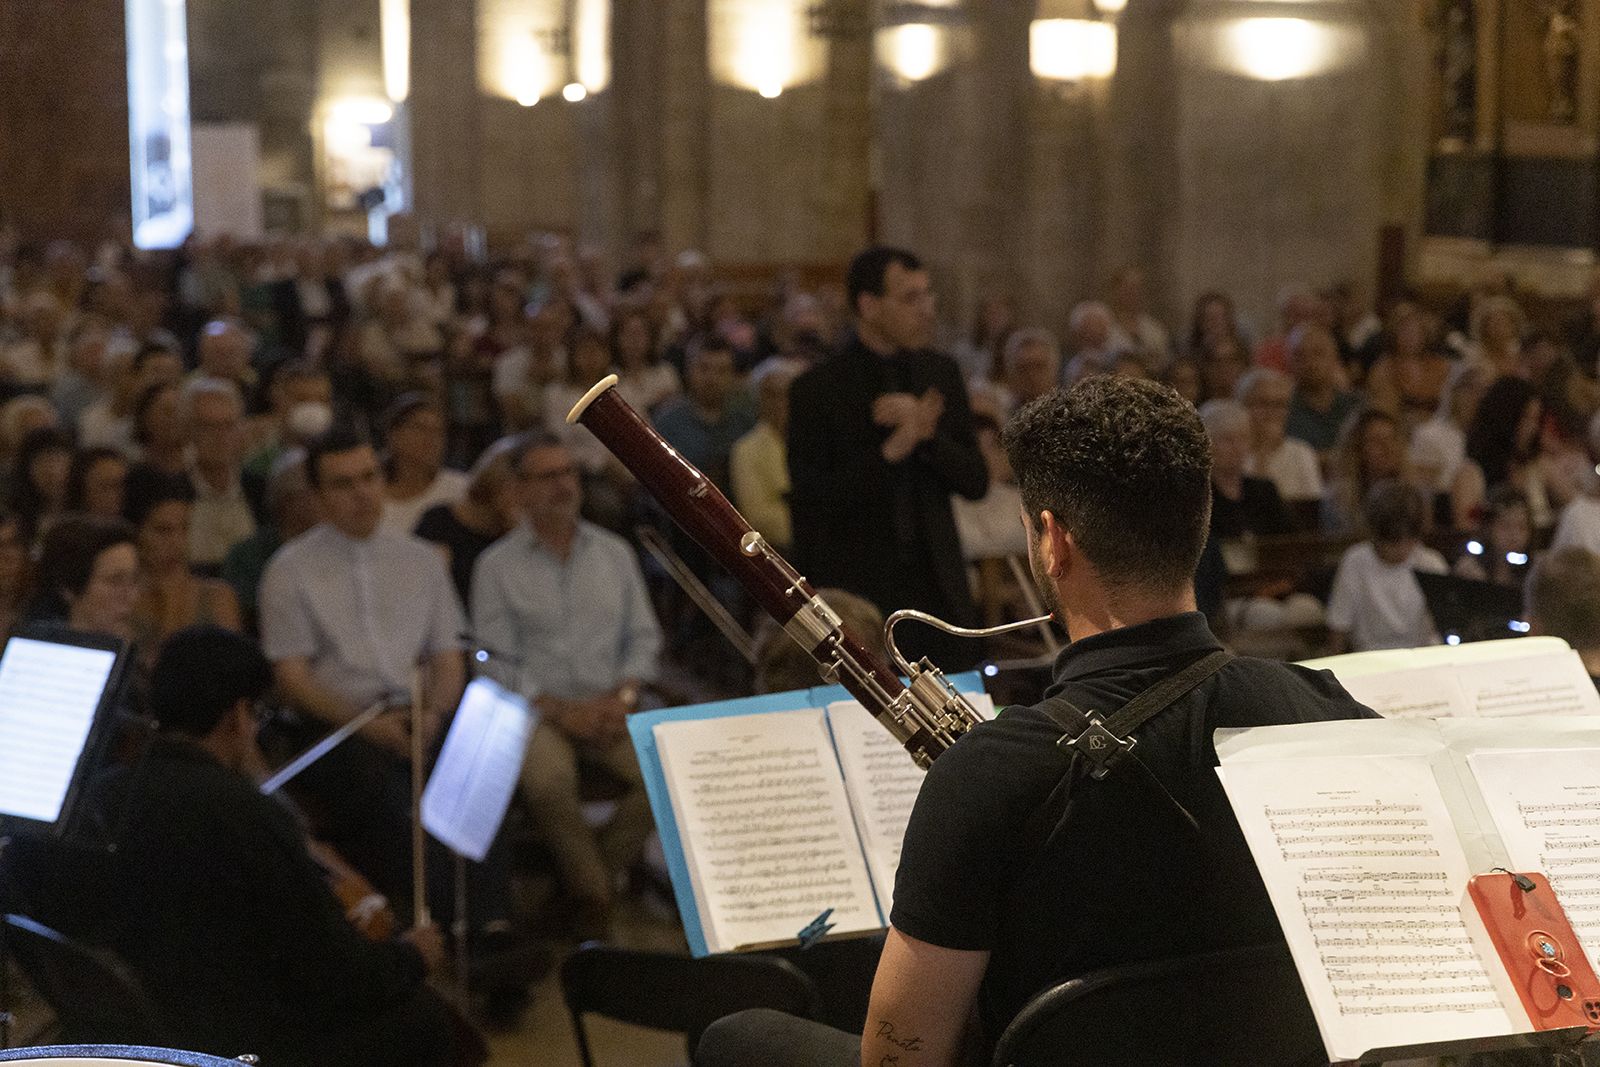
(351, 616)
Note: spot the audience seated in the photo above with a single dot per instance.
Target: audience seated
(1241, 505)
(1408, 379)
(415, 477)
(1500, 550)
(97, 481)
(759, 462)
(1562, 599)
(1133, 328)
(1290, 464)
(353, 616)
(1321, 403)
(1369, 451)
(560, 606)
(1376, 602)
(87, 577)
(712, 414)
(213, 411)
(291, 510)
(1503, 440)
(490, 508)
(160, 509)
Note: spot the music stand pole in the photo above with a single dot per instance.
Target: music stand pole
(460, 928)
(419, 841)
(5, 962)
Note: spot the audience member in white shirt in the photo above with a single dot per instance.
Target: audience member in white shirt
(1376, 601)
(1291, 464)
(416, 478)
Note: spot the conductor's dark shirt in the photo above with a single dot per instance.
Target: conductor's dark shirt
(1113, 873)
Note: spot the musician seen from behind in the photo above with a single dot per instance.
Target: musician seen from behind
(561, 608)
(880, 436)
(215, 902)
(1019, 869)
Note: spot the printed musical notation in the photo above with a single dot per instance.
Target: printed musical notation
(882, 782)
(1366, 874)
(1546, 806)
(766, 826)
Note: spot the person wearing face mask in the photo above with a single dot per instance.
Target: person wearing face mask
(299, 408)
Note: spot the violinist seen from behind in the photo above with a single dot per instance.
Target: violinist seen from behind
(215, 902)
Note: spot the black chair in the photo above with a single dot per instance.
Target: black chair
(94, 996)
(668, 991)
(1236, 1006)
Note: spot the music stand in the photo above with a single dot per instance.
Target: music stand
(1470, 610)
(57, 692)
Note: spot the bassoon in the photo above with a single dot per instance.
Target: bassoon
(925, 714)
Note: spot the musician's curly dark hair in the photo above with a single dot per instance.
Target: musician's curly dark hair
(1125, 467)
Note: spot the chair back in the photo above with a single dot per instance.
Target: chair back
(94, 996)
(675, 992)
(1235, 1006)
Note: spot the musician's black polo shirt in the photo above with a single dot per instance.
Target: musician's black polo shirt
(1116, 874)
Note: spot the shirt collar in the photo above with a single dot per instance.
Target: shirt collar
(536, 544)
(1134, 646)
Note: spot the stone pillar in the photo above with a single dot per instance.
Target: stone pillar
(685, 92)
(64, 167)
(446, 139)
(952, 174)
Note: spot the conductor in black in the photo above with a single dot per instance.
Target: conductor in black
(1089, 830)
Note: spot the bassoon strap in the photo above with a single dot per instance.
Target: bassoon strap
(1102, 743)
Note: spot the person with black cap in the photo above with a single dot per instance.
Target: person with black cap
(214, 900)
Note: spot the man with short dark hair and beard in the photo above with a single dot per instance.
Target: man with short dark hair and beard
(1020, 868)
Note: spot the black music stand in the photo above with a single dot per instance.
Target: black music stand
(1470, 610)
(57, 697)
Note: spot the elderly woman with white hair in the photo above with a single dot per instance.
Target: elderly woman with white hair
(1244, 508)
(1289, 463)
(1241, 505)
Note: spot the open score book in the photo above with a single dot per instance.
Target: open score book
(775, 810)
(1365, 834)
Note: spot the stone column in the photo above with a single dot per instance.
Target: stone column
(446, 140)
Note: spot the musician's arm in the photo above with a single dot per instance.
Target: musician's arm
(921, 1000)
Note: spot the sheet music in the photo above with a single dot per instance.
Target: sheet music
(1546, 807)
(766, 826)
(48, 696)
(1365, 871)
(1420, 693)
(1552, 684)
(882, 782)
(478, 768)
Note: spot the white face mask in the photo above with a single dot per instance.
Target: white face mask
(308, 419)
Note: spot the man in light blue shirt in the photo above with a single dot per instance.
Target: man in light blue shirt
(561, 605)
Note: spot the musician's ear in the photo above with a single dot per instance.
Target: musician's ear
(1055, 544)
